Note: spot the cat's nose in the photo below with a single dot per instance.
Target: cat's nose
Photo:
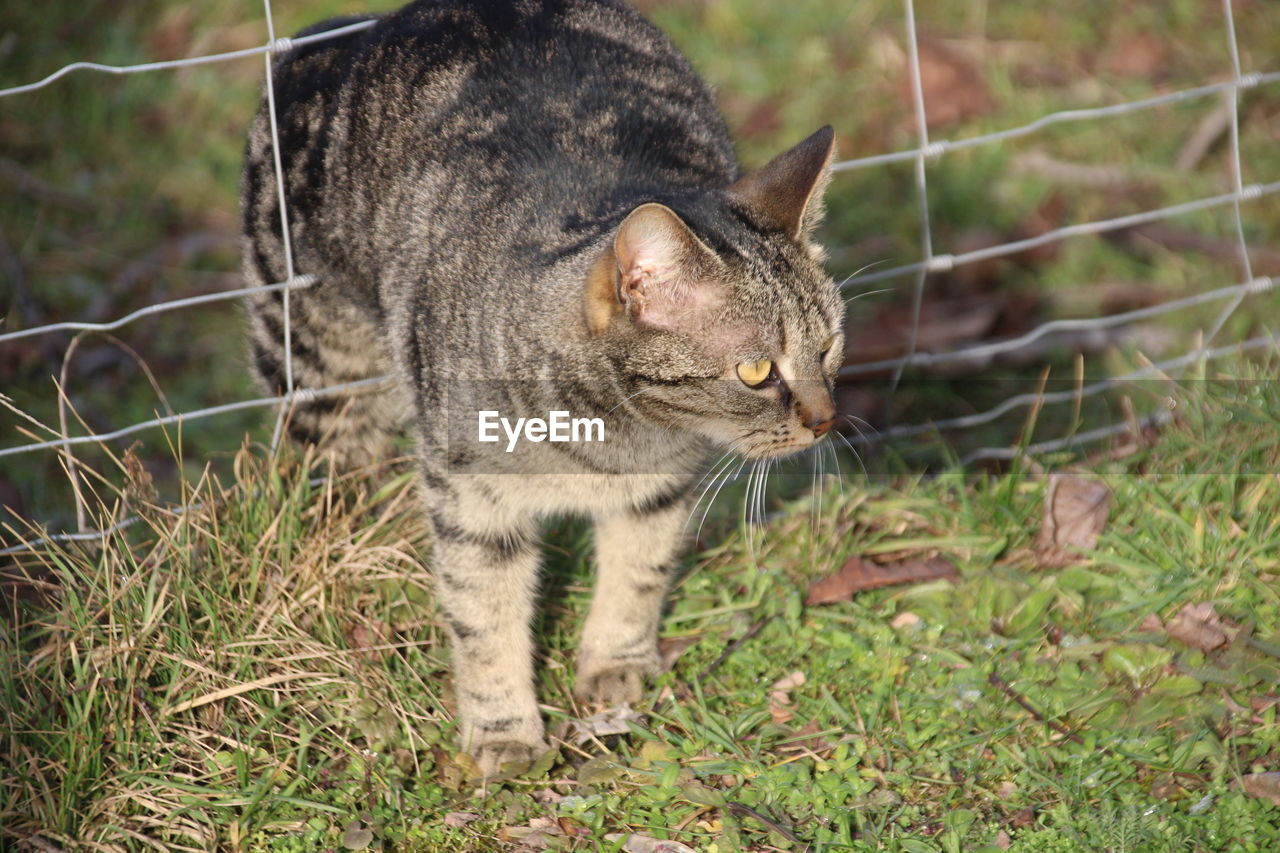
(820, 427)
(819, 416)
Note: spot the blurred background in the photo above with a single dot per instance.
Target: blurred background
(121, 191)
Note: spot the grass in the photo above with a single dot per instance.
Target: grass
(134, 197)
(264, 672)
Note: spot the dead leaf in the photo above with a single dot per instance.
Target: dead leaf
(780, 697)
(1262, 703)
(807, 739)
(1023, 818)
(1199, 626)
(536, 835)
(571, 827)
(1075, 512)
(1139, 55)
(457, 819)
(1003, 841)
(368, 640)
(171, 37)
(645, 844)
(859, 575)
(611, 721)
(789, 682)
(1151, 622)
(670, 649)
(953, 86)
(1264, 786)
(905, 619)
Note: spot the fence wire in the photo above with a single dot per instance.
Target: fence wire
(969, 357)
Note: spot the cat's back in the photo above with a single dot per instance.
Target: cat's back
(569, 102)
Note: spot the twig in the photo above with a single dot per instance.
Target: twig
(41, 844)
(1215, 123)
(1040, 164)
(1004, 687)
(739, 808)
(29, 185)
(731, 648)
(998, 682)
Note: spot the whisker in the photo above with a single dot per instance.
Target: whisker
(722, 465)
(724, 481)
(835, 460)
(631, 397)
(854, 420)
(868, 293)
(815, 468)
(860, 270)
(857, 456)
(746, 502)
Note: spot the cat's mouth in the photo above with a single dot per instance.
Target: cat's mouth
(754, 447)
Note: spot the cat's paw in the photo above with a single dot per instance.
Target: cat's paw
(507, 757)
(503, 745)
(612, 686)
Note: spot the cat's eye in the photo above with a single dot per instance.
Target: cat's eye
(753, 373)
(826, 348)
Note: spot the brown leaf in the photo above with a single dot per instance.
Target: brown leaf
(809, 742)
(368, 640)
(1151, 622)
(547, 796)
(954, 89)
(1139, 55)
(571, 827)
(789, 682)
(1024, 818)
(780, 714)
(1075, 512)
(457, 819)
(1264, 786)
(1262, 703)
(780, 697)
(536, 836)
(1003, 841)
(905, 619)
(859, 575)
(670, 649)
(634, 843)
(1199, 626)
(171, 37)
(611, 721)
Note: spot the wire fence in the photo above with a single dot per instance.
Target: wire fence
(966, 357)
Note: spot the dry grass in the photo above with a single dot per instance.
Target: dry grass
(162, 682)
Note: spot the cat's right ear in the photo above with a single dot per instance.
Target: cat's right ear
(658, 273)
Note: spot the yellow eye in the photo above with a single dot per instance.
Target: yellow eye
(826, 348)
(755, 372)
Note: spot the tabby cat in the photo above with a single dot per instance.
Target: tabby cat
(522, 207)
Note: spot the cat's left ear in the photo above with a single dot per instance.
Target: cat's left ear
(658, 272)
(787, 192)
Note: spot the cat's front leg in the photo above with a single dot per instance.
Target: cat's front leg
(637, 554)
(486, 568)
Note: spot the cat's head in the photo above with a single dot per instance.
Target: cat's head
(717, 311)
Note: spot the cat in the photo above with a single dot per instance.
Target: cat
(522, 207)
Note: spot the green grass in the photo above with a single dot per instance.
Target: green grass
(263, 672)
(145, 169)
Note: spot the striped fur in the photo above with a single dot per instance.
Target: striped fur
(528, 206)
